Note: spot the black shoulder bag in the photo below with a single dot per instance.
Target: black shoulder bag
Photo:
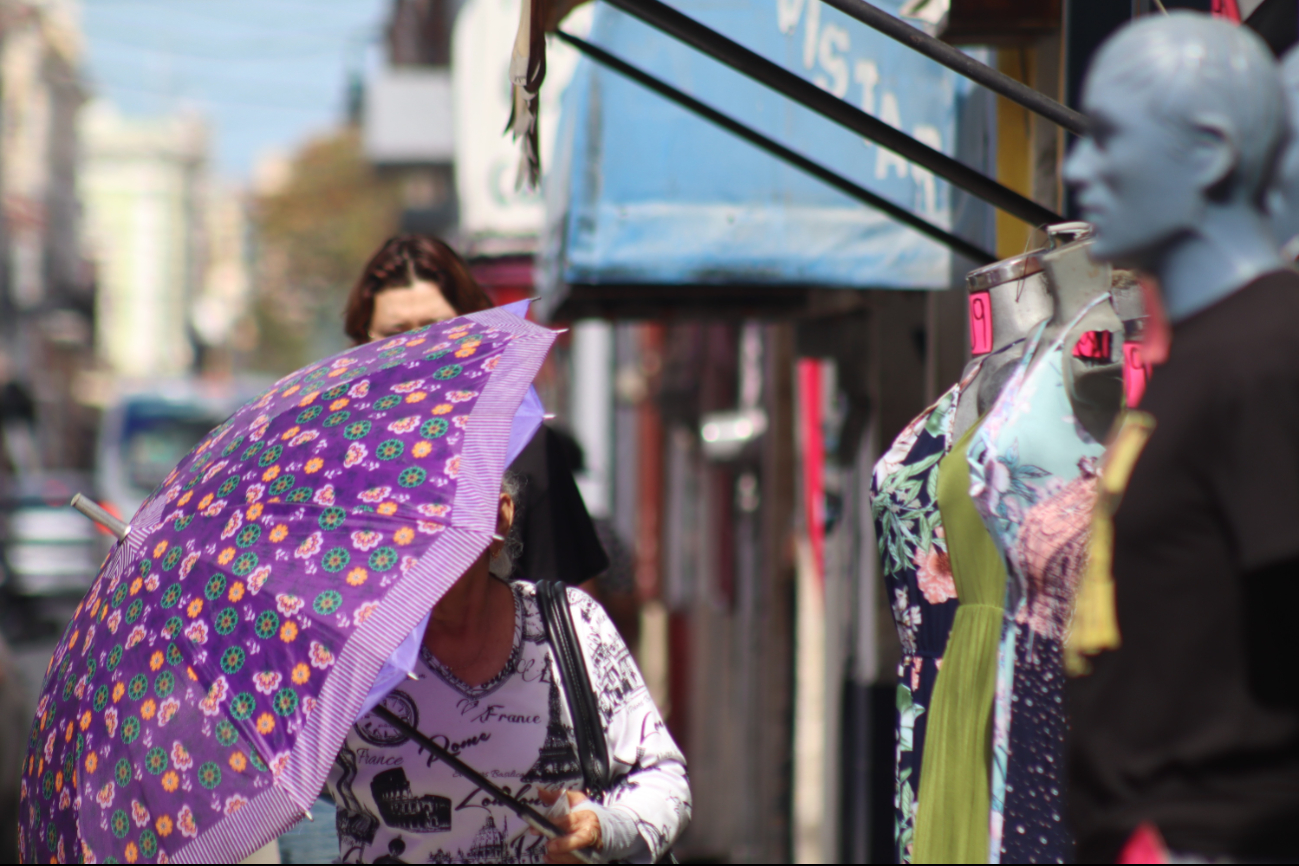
(592, 748)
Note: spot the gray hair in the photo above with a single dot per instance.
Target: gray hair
(502, 564)
(1192, 66)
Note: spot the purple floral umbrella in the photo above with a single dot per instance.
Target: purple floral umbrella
(196, 701)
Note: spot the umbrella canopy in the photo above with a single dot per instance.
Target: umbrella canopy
(196, 701)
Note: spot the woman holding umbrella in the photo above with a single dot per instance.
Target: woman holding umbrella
(490, 690)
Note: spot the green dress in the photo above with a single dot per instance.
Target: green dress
(952, 819)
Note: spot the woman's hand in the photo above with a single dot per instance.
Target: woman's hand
(581, 829)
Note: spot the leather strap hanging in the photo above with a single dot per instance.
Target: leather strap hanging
(592, 749)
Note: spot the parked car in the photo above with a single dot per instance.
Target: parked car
(49, 548)
(152, 425)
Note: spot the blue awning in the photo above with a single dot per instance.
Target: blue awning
(640, 192)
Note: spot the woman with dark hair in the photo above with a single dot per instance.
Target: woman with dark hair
(416, 280)
(412, 281)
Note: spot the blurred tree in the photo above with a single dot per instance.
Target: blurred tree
(315, 229)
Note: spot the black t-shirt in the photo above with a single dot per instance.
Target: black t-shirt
(1192, 723)
(559, 539)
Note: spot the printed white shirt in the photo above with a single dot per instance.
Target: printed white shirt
(395, 804)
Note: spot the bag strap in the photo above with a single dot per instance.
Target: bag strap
(592, 750)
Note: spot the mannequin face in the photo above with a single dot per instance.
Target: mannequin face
(1283, 198)
(399, 310)
(1134, 174)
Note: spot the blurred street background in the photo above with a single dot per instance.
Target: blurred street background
(190, 188)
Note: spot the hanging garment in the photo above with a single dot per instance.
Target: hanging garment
(952, 818)
(1033, 471)
(913, 554)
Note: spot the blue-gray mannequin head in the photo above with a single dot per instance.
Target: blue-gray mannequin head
(1283, 201)
(1187, 120)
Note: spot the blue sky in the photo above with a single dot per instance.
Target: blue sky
(266, 73)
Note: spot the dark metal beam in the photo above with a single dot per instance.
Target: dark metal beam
(958, 244)
(807, 94)
(958, 61)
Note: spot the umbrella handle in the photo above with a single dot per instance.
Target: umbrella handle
(88, 507)
(530, 816)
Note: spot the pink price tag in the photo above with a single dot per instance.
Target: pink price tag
(1093, 346)
(980, 324)
(1136, 373)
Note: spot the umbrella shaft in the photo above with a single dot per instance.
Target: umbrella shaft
(530, 816)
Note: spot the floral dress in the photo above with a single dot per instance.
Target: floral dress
(1033, 477)
(918, 576)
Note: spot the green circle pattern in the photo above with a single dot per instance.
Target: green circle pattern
(215, 586)
(450, 371)
(130, 730)
(101, 698)
(209, 775)
(283, 483)
(327, 602)
(246, 562)
(272, 454)
(383, 559)
(335, 560)
(148, 844)
(137, 687)
(172, 627)
(120, 823)
(173, 655)
(227, 487)
(242, 706)
(133, 612)
(171, 596)
(226, 621)
(173, 558)
(387, 402)
(311, 413)
(232, 659)
(412, 476)
(434, 428)
(300, 495)
(248, 536)
(389, 449)
(336, 418)
(155, 761)
(164, 684)
(357, 430)
(268, 622)
(114, 657)
(226, 733)
(122, 772)
(332, 518)
(285, 702)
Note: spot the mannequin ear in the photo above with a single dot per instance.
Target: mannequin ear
(1215, 156)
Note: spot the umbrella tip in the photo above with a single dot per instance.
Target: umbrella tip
(411, 675)
(92, 510)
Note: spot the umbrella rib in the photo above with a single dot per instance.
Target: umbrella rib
(530, 816)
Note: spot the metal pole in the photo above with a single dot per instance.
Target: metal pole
(756, 138)
(100, 516)
(960, 62)
(804, 92)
